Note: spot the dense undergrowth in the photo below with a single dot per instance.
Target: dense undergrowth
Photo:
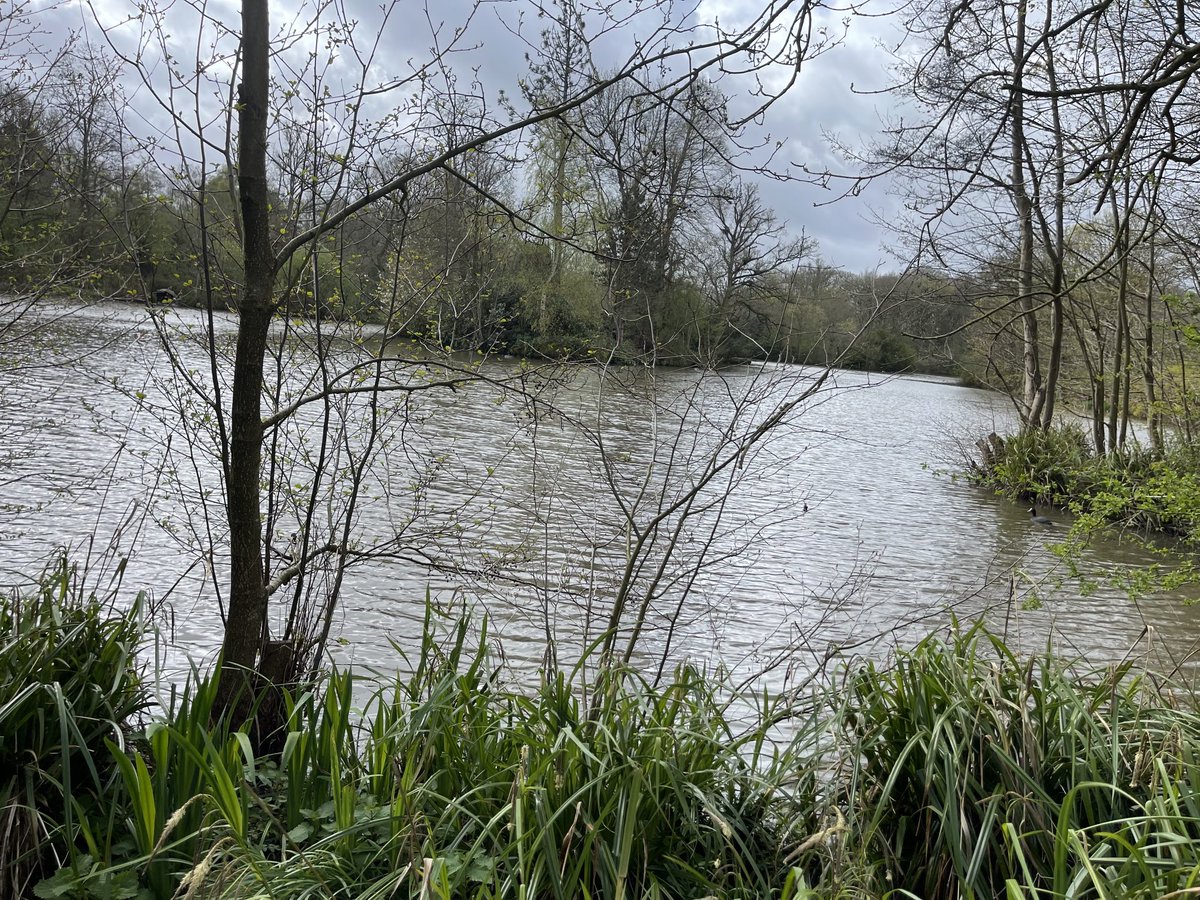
(1132, 486)
(955, 770)
(68, 682)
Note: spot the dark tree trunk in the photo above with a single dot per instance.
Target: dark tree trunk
(1153, 414)
(245, 625)
(1033, 396)
(1057, 242)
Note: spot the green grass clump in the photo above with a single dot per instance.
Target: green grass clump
(958, 769)
(446, 783)
(978, 774)
(1043, 467)
(68, 680)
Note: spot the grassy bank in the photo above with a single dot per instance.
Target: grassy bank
(956, 769)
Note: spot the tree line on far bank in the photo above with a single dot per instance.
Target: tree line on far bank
(626, 226)
(597, 242)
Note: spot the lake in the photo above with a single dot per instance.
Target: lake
(844, 531)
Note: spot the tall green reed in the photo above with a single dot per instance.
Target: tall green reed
(68, 680)
(448, 783)
(974, 773)
(956, 770)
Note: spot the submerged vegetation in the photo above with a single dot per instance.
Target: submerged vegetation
(955, 770)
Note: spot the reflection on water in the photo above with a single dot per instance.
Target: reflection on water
(843, 531)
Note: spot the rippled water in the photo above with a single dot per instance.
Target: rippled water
(845, 530)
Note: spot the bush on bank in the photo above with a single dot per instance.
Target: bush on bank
(974, 773)
(1131, 486)
(956, 770)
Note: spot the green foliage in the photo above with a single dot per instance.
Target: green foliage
(1043, 467)
(86, 879)
(1132, 486)
(68, 682)
(1142, 492)
(189, 787)
(982, 771)
(958, 770)
(882, 350)
(446, 784)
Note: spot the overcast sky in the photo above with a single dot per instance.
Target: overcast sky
(822, 102)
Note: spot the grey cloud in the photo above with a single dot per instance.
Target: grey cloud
(493, 47)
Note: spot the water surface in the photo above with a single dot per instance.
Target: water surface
(845, 532)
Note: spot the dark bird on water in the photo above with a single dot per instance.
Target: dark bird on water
(1038, 520)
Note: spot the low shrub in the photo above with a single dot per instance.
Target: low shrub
(1130, 487)
(1043, 467)
(68, 680)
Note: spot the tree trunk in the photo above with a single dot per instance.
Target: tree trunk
(552, 293)
(245, 625)
(1118, 366)
(1032, 395)
(1126, 376)
(1058, 238)
(1153, 416)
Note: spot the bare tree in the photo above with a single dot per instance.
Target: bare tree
(747, 251)
(371, 144)
(564, 67)
(1040, 118)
